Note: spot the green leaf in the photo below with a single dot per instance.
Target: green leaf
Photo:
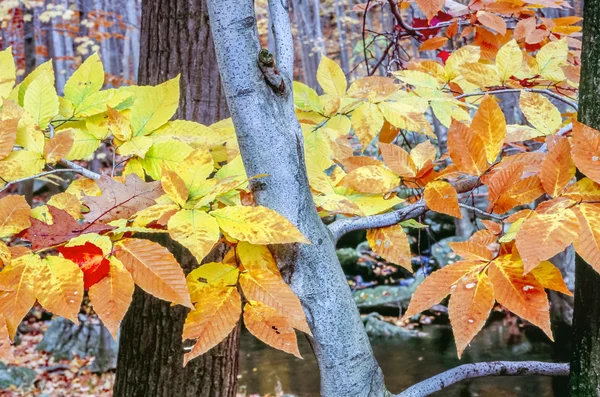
(85, 81)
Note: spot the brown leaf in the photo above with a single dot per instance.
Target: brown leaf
(120, 200)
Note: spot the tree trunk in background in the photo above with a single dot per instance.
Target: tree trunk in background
(585, 363)
(310, 38)
(175, 38)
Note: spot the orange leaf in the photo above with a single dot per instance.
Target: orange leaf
(58, 146)
(585, 149)
(6, 354)
(519, 293)
(17, 281)
(112, 296)
(483, 237)
(558, 168)
(154, 269)
(438, 285)
(469, 307)
(471, 251)
(430, 7)
(587, 243)
(433, 43)
(524, 27)
(489, 123)
(502, 181)
(213, 318)
(542, 236)
(370, 179)
(492, 226)
(423, 154)
(550, 277)
(266, 287)
(584, 190)
(398, 160)
(441, 197)
(8, 135)
(522, 192)
(271, 327)
(466, 149)
(492, 21)
(391, 243)
(14, 215)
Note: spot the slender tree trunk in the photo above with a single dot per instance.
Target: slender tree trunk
(175, 38)
(271, 143)
(585, 363)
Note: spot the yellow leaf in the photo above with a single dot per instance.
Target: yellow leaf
(40, 100)
(154, 106)
(19, 279)
(118, 125)
(397, 115)
(271, 327)
(195, 230)
(480, 74)
(59, 287)
(84, 145)
(213, 318)
(540, 112)
(9, 122)
(195, 170)
(174, 186)
(550, 277)
(466, 149)
(398, 160)
(305, 98)
(169, 153)
(5, 255)
(587, 243)
(14, 215)
(371, 204)
(367, 121)
(447, 109)
(58, 146)
(21, 164)
(489, 123)
(100, 101)
(85, 81)
(470, 305)
(373, 88)
(136, 146)
(542, 236)
(68, 202)
(331, 78)
(584, 190)
(257, 225)
(112, 296)
(8, 72)
(519, 293)
(270, 289)
(18, 93)
(256, 257)
(154, 269)
(558, 168)
(438, 285)
(370, 179)
(466, 54)
(550, 59)
(391, 243)
(209, 275)
(423, 154)
(29, 135)
(585, 149)
(509, 60)
(441, 197)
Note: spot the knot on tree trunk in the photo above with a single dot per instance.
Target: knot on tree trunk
(266, 63)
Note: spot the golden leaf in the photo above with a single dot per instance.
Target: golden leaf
(174, 186)
(370, 179)
(540, 112)
(18, 295)
(154, 269)
(509, 60)
(587, 243)
(423, 154)
(398, 160)
(256, 257)
(58, 146)
(14, 215)
(271, 327)
(59, 287)
(391, 243)
(6, 354)
(558, 168)
(331, 78)
(585, 149)
(466, 149)
(367, 121)
(550, 277)
(430, 7)
(112, 296)
(433, 43)
(195, 230)
(208, 275)
(480, 74)
(470, 250)
(489, 123)
(441, 197)
(8, 132)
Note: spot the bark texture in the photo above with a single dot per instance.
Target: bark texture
(585, 363)
(175, 38)
(271, 143)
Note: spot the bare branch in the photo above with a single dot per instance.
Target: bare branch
(281, 27)
(476, 370)
(79, 169)
(482, 212)
(343, 226)
(549, 93)
(396, 13)
(40, 175)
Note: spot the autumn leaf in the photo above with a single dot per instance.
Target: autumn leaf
(398, 160)
(584, 190)
(521, 192)
(540, 112)
(271, 327)
(59, 287)
(509, 60)
(587, 242)
(213, 318)
(519, 293)
(256, 257)
(120, 200)
(433, 43)
(550, 277)
(14, 215)
(90, 259)
(367, 121)
(196, 230)
(174, 187)
(58, 146)
(391, 243)
(466, 149)
(8, 133)
(18, 295)
(470, 250)
(331, 78)
(470, 305)
(210, 274)
(502, 180)
(154, 269)
(489, 123)
(430, 7)
(112, 296)
(373, 179)
(585, 149)
(257, 225)
(492, 21)
(441, 197)
(558, 168)
(63, 228)
(423, 154)
(6, 354)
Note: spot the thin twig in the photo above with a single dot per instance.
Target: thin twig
(79, 169)
(482, 212)
(554, 95)
(40, 175)
(477, 370)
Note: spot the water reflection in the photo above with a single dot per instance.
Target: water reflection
(403, 363)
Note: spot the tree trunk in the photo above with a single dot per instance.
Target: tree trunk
(585, 362)
(271, 143)
(175, 38)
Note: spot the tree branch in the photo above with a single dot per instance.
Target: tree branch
(78, 169)
(41, 175)
(476, 370)
(343, 226)
(549, 93)
(281, 27)
(482, 212)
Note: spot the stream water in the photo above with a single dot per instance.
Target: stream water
(403, 362)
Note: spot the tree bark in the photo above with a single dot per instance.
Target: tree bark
(175, 38)
(585, 362)
(271, 143)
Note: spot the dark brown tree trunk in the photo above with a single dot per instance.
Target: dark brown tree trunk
(175, 39)
(585, 362)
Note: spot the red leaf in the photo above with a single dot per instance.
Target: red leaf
(64, 228)
(90, 259)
